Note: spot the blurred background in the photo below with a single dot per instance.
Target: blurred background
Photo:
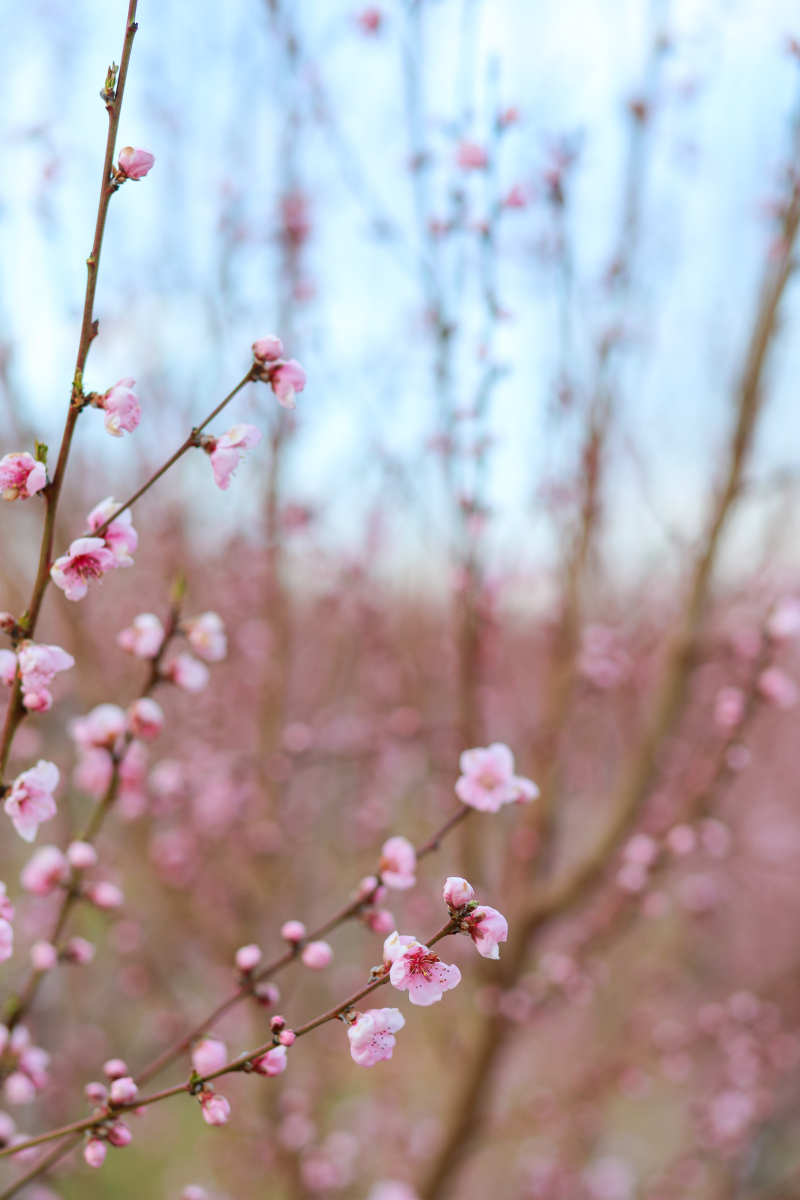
(537, 262)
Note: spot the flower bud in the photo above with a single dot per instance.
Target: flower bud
(115, 1068)
(95, 1152)
(145, 719)
(457, 892)
(123, 1090)
(81, 855)
(268, 349)
(209, 1055)
(119, 1134)
(267, 994)
(44, 956)
(248, 958)
(216, 1109)
(277, 1024)
(317, 955)
(96, 1093)
(287, 1037)
(293, 931)
(104, 895)
(135, 163)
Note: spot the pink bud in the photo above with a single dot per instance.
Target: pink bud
(267, 994)
(144, 637)
(115, 1068)
(119, 1134)
(272, 1063)
(135, 163)
(187, 673)
(123, 1090)
(121, 407)
(47, 870)
(95, 1152)
(96, 1093)
(104, 895)
(78, 950)
(277, 1023)
(286, 380)
(287, 1037)
(209, 1055)
(457, 892)
(248, 958)
(293, 931)
(471, 157)
(379, 920)
(268, 349)
(777, 688)
(81, 855)
(20, 1089)
(44, 956)
(216, 1109)
(145, 719)
(317, 955)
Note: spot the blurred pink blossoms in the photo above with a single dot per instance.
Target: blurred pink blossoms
(21, 476)
(227, 451)
(144, 637)
(31, 800)
(488, 781)
(38, 667)
(398, 863)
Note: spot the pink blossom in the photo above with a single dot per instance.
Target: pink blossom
(267, 994)
(44, 956)
(784, 621)
(6, 940)
(488, 781)
(379, 920)
(95, 1152)
(135, 163)
(641, 848)
(93, 773)
(398, 861)
(38, 702)
(517, 197)
(6, 907)
(87, 559)
(287, 379)
(145, 718)
(81, 855)
(187, 673)
(121, 407)
(248, 958)
(8, 667)
(38, 667)
(457, 892)
(20, 1089)
(487, 927)
(206, 635)
(271, 1063)
(216, 1109)
(120, 536)
(681, 840)
(277, 1023)
(104, 895)
(227, 452)
(21, 476)
(96, 1093)
(45, 871)
(293, 931)
(209, 1055)
(31, 800)
(422, 974)
(118, 1134)
(122, 1090)
(471, 156)
(394, 946)
(79, 950)
(729, 705)
(268, 349)
(102, 727)
(777, 688)
(115, 1068)
(317, 955)
(372, 1035)
(144, 637)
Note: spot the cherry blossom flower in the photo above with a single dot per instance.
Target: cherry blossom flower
(187, 673)
(487, 927)
(44, 956)
(227, 451)
(372, 1035)
(293, 931)
(95, 1152)
(206, 635)
(287, 379)
(118, 1134)
(395, 944)
(115, 1068)
(144, 637)
(488, 781)
(268, 349)
(19, 1089)
(216, 1109)
(145, 718)
(209, 1055)
(87, 559)
(317, 955)
(778, 688)
(457, 892)
(379, 920)
(421, 973)
(45, 871)
(271, 1063)
(287, 1037)
(6, 939)
(134, 162)
(101, 728)
(398, 861)
(8, 667)
(93, 773)
(471, 157)
(104, 895)
(248, 958)
(38, 667)
(79, 950)
(31, 800)
(21, 476)
(121, 407)
(120, 537)
(122, 1090)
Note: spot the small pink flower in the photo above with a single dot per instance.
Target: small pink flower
(120, 537)
(187, 673)
(115, 1068)
(121, 407)
(31, 800)
(95, 1152)
(729, 706)
(488, 781)
(422, 974)
(104, 895)
(122, 1090)
(6, 940)
(487, 927)
(777, 688)
(248, 958)
(44, 956)
(457, 892)
(47, 870)
(317, 955)
(99, 729)
(216, 1109)
(87, 559)
(144, 637)
(293, 931)
(209, 1055)
(21, 476)
(79, 950)
(119, 1134)
(8, 667)
(38, 667)
(268, 349)
(145, 719)
(287, 379)
(135, 163)
(471, 156)
(206, 635)
(81, 856)
(372, 1035)
(398, 862)
(271, 1063)
(227, 452)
